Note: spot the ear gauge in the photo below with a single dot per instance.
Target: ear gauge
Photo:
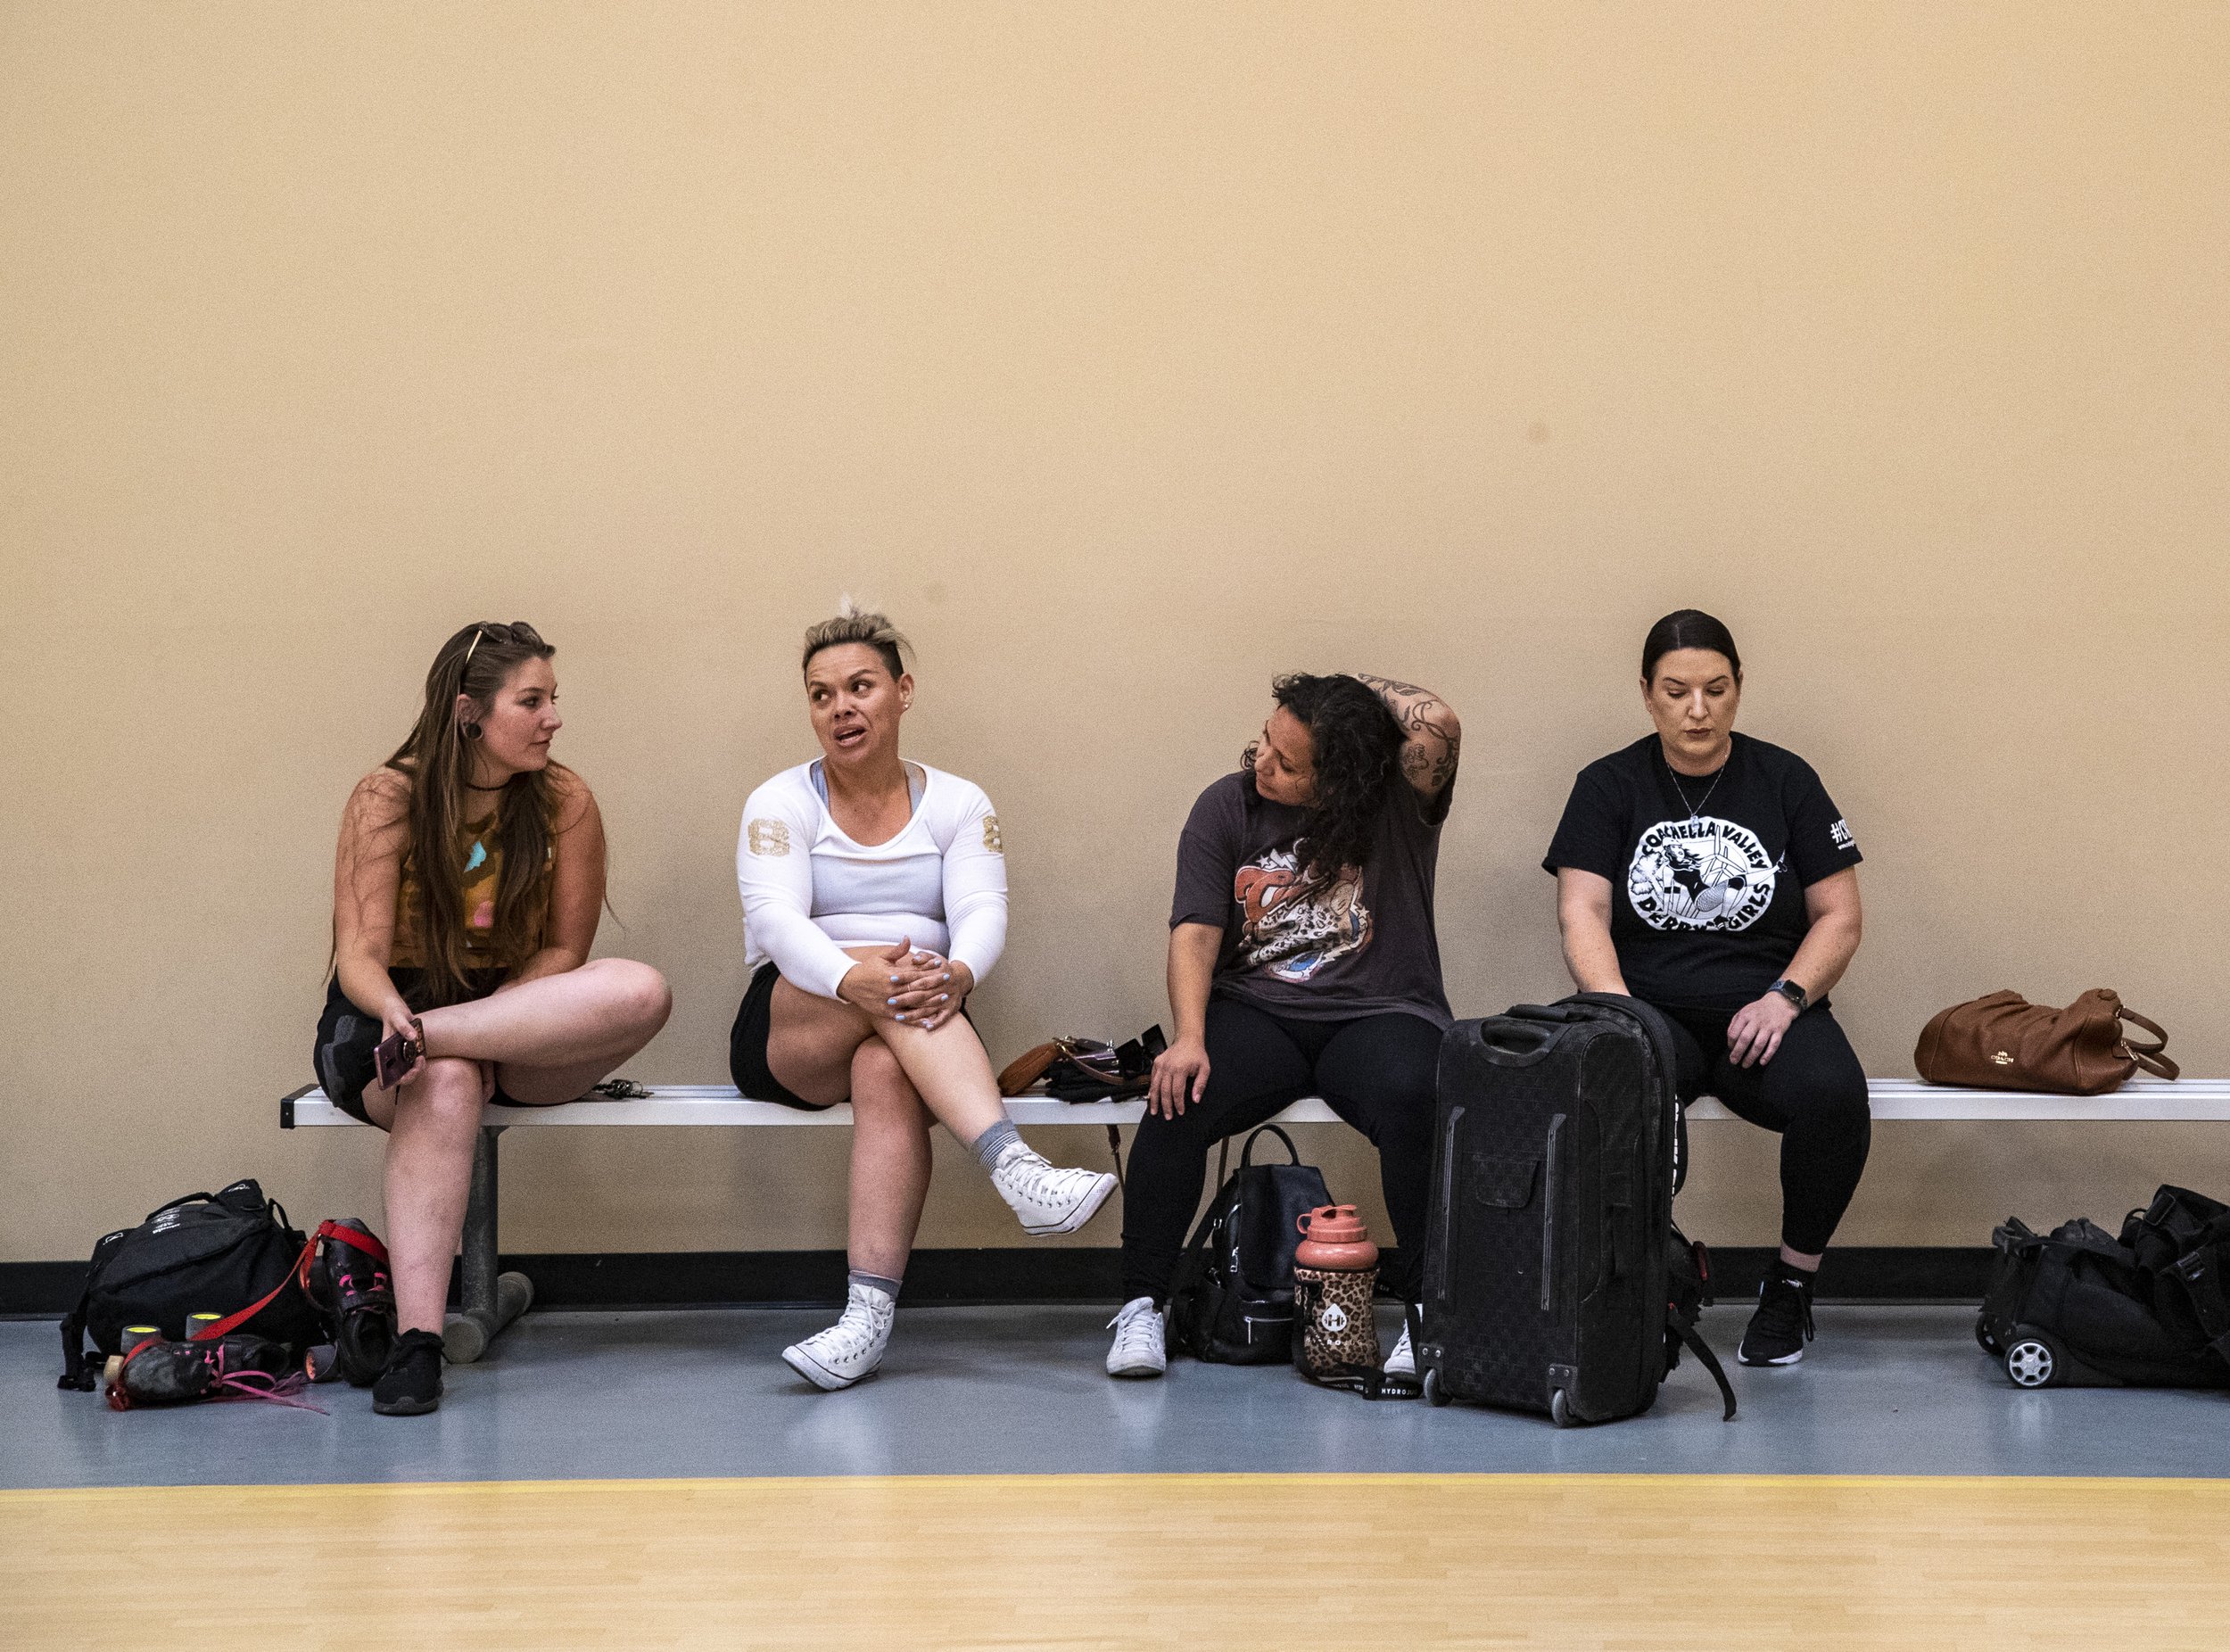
(470, 730)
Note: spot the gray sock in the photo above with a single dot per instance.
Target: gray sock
(860, 1275)
(991, 1142)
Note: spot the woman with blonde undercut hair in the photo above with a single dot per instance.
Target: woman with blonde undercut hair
(874, 901)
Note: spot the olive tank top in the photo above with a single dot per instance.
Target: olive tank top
(481, 854)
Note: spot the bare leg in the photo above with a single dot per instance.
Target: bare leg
(890, 1162)
(433, 1126)
(634, 1005)
(810, 1040)
(595, 1014)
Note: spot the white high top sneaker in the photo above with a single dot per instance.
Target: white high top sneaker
(851, 1348)
(1141, 1337)
(1403, 1360)
(1048, 1200)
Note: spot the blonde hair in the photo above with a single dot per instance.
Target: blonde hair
(852, 625)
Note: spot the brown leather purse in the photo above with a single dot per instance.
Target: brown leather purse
(2004, 1042)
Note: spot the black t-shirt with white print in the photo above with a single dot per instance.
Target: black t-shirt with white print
(1360, 944)
(1707, 883)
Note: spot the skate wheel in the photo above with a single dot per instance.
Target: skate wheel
(1560, 1409)
(2032, 1363)
(1434, 1395)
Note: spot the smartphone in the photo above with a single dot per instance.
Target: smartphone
(394, 1057)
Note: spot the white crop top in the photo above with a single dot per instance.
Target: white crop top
(809, 891)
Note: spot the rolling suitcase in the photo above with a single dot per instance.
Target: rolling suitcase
(1546, 1280)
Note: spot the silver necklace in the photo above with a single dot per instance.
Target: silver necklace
(1697, 808)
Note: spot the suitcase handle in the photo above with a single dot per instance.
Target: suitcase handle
(1548, 1215)
(1513, 1044)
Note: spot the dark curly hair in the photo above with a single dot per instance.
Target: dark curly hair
(1357, 758)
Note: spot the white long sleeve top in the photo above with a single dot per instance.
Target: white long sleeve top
(809, 891)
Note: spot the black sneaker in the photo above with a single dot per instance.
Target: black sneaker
(411, 1384)
(1782, 1325)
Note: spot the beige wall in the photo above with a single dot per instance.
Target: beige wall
(1127, 354)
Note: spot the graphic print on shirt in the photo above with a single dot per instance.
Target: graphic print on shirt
(1704, 873)
(1293, 930)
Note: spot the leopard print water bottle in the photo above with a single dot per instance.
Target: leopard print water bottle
(1335, 1271)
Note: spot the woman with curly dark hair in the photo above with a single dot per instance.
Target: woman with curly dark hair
(1302, 961)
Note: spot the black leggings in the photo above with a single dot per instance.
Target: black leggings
(1376, 1071)
(1813, 1094)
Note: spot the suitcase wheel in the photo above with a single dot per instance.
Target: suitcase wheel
(1434, 1395)
(2032, 1362)
(1560, 1409)
(1982, 1335)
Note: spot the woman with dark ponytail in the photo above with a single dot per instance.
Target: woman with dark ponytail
(1711, 875)
(1302, 961)
(467, 890)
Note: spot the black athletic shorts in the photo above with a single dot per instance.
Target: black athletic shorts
(747, 1044)
(347, 1036)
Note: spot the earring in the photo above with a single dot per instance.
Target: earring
(470, 731)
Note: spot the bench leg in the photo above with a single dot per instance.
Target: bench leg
(492, 1300)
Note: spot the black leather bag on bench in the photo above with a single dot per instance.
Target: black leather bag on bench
(2079, 1307)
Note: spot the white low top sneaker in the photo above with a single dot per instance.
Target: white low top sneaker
(1048, 1200)
(1140, 1340)
(851, 1348)
(1403, 1360)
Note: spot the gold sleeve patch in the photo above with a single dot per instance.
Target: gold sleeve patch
(767, 838)
(991, 839)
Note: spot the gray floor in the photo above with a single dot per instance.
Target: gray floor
(1887, 1390)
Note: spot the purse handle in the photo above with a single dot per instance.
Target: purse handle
(2152, 1057)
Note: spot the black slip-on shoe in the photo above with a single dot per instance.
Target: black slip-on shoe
(411, 1384)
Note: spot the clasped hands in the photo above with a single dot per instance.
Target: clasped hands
(908, 985)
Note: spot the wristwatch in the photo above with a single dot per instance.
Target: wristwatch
(1794, 993)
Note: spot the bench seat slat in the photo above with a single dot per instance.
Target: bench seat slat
(2142, 1100)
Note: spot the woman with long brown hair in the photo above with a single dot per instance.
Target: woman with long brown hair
(466, 894)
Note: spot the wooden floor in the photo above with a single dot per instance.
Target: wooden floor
(1647, 1562)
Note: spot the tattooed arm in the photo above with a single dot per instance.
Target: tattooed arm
(1432, 736)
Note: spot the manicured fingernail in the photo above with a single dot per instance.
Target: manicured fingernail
(890, 1001)
(942, 996)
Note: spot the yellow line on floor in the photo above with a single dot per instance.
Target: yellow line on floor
(1113, 1561)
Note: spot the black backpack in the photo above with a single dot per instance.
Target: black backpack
(204, 1253)
(2079, 1307)
(1233, 1299)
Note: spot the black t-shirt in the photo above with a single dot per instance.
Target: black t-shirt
(1355, 945)
(1707, 902)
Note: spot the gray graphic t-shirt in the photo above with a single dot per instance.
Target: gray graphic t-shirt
(1358, 944)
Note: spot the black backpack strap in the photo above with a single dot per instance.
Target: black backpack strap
(1693, 1339)
(1192, 1271)
(2200, 1273)
(75, 1375)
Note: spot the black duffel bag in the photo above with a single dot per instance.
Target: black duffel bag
(1232, 1302)
(2079, 1307)
(217, 1253)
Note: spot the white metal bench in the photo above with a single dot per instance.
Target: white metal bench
(491, 1300)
